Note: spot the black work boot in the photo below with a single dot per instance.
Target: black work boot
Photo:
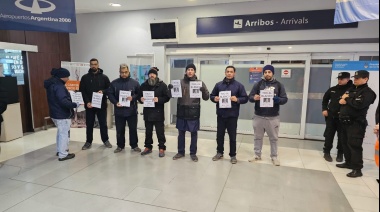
(343, 166)
(328, 157)
(355, 174)
(339, 158)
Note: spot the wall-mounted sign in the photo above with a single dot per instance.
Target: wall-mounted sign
(286, 73)
(38, 15)
(305, 20)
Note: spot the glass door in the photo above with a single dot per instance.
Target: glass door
(293, 71)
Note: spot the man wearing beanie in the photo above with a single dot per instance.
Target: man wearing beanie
(61, 109)
(125, 114)
(228, 117)
(95, 82)
(155, 116)
(330, 110)
(188, 113)
(267, 119)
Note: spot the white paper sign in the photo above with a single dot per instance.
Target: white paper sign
(266, 98)
(123, 98)
(177, 89)
(76, 97)
(225, 99)
(97, 100)
(286, 73)
(195, 92)
(149, 99)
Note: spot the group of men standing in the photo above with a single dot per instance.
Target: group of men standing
(345, 108)
(188, 110)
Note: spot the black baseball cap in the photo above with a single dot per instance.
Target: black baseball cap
(361, 74)
(344, 75)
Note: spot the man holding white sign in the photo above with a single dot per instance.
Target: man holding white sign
(154, 116)
(95, 82)
(130, 88)
(228, 95)
(267, 119)
(189, 112)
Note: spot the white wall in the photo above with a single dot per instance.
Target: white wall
(110, 37)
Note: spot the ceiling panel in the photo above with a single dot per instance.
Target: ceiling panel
(94, 6)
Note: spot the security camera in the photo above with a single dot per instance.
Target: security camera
(268, 48)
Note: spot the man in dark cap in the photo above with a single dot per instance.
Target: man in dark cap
(155, 116)
(353, 115)
(267, 119)
(188, 113)
(95, 82)
(61, 109)
(331, 108)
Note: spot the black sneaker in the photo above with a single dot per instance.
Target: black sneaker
(87, 146)
(344, 166)
(355, 174)
(178, 156)
(58, 153)
(68, 157)
(146, 151)
(339, 158)
(194, 158)
(328, 157)
(108, 144)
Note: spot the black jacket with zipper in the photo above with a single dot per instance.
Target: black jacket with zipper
(93, 83)
(157, 113)
(127, 84)
(332, 97)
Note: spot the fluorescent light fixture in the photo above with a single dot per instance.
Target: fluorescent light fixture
(115, 5)
(290, 47)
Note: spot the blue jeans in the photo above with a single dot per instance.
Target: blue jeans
(63, 136)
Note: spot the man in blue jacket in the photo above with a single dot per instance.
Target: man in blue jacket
(125, 114)
(267, 119)
(61, 109)
(228, 117)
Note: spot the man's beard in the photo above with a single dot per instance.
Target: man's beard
(152, 82)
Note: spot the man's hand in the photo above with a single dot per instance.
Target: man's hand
(257, 97)
(325, 113)
(234, 99)
(376, 129)
(142, 99)
(345, 96)
(129, 98)
(89, 105)
(343, 102)
(170, 86)
(100, 92)
(118, 105)
(155, 99)
(217, 99)
(202, 89)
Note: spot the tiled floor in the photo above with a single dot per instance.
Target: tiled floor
(31, 178)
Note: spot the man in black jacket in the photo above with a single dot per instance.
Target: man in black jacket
(155, 116)
(331, 108)
(353, 115)
(95, 82)
(60, 109)
(125, 114)
(228, 117)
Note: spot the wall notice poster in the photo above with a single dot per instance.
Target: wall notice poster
(373, 68)
(139, 72)
(77, 70)
(255, 74)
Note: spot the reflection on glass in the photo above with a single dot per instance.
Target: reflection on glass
(12, 64)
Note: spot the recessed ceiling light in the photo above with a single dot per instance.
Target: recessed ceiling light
(115, 5)
(290, 47)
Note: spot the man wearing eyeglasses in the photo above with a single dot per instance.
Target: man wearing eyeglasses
(124, 114)
(95, 82)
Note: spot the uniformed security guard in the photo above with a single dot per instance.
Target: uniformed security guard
(355, 104)
(330, 110)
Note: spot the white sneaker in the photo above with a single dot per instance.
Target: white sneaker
(276, 162)
(256, 158)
